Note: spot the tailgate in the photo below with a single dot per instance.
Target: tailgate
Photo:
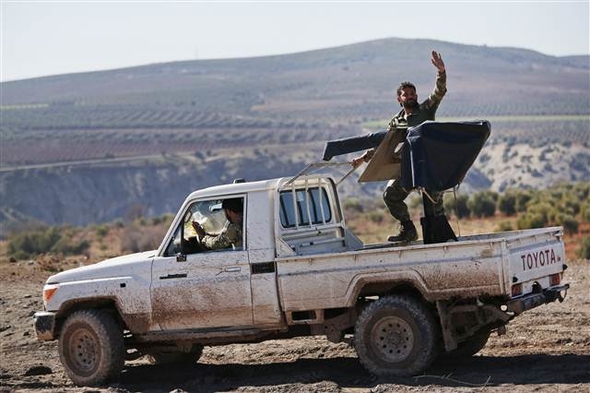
(537, 260)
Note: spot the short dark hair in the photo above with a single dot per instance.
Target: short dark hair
(403, 85)
(233, 204)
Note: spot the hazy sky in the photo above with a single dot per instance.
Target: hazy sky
(50, 37)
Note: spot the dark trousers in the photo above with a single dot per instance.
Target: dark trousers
(395, 195)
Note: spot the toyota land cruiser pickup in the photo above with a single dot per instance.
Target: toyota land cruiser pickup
(299, 271)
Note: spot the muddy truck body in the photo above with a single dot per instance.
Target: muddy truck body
(299, 271)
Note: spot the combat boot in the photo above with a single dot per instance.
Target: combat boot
(407, 234)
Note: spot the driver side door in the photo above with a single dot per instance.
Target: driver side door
(200, 289)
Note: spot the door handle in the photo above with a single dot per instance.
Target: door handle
(177, 275)
(231, 269)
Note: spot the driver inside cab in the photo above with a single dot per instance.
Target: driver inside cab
(231, 234)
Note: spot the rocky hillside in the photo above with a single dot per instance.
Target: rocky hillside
(82, 194)
(90, 147)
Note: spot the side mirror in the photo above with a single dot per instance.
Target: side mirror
(180, 257)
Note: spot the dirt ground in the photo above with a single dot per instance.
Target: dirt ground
(545, 350)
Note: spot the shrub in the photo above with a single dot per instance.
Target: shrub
(483, 204)
(67, 246)
(18, 255)
(157, 220)
(458, 206)
(570, 205)
(546, 210)
(522, 199)
(569, 223)
(44, 240)
(531, 220)
(584, 251)
(505, 226)
(585, 212)
(37, 241)
(507, 203)
(101, 230)
(582, 191)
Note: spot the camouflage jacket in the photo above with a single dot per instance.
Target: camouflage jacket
(230, 236)
(426, 110)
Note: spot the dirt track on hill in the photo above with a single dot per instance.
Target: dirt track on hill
(545, 350)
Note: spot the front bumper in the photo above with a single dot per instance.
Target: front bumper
(532, 300)
(45, 323)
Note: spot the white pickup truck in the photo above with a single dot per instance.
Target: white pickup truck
(299, 271)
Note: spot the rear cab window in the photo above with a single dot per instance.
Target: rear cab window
(304, 207)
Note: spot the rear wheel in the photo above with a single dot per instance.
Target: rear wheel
(91, 347)
(396, 335)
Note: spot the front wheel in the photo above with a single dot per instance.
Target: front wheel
(91, 347)
(396, 335)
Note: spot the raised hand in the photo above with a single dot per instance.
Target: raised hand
(438, 62)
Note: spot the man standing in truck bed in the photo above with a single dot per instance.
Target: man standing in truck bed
(412, 114)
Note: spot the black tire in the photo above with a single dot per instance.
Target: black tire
(396, 336)
(180, 358)
(471, 346)
(91, 347)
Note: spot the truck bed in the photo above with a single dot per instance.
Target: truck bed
(474, 265)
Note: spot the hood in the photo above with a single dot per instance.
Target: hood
(127, 265)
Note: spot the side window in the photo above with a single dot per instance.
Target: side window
(209, 214)
(221, 221)
(304, 207)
